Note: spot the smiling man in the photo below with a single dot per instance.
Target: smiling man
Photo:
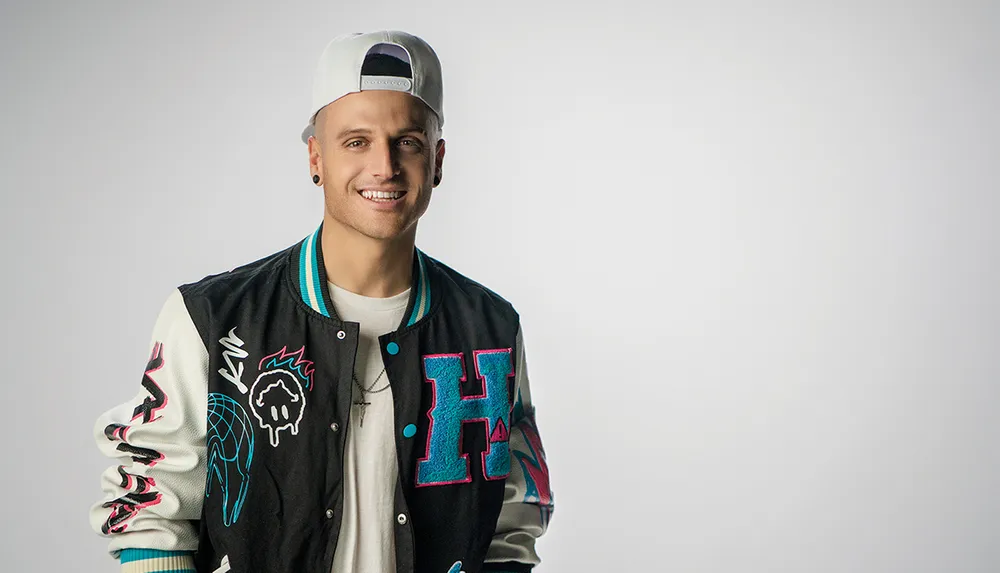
(348, 404)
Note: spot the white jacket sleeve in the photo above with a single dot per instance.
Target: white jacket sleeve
(155, 489)
(528, 500)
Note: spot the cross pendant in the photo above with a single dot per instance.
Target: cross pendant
(363, 405)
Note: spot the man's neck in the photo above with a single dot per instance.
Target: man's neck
(367, 266)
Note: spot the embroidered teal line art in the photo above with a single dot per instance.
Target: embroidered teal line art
(229, 448)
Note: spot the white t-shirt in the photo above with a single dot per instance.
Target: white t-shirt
(366, 542)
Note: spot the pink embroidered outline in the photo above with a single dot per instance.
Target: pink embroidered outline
(134, 482)
(479, 375)
(535, 467)
(282, 357)
(157, 353)
(430, 426)
(124, 509)
(461, 434)
(117, 432)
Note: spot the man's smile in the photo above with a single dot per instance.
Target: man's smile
(384, 198)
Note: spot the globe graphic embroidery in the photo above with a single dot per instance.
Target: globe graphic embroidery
(230, 452)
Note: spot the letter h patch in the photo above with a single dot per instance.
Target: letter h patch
(444, 462)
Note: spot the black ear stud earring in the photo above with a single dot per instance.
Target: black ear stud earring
(316, 179)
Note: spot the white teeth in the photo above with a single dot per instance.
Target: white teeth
(381, 195)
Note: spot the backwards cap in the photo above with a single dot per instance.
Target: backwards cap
(383, 60)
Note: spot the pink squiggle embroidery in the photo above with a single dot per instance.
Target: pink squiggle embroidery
(140, 488)
(535, 468)
(125, 508)
(135, 482)
(115, 432)
(294, 361)
(157, 400)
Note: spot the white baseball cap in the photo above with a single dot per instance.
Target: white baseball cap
(382, 60)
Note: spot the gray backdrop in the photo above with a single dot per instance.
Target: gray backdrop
(754, 245)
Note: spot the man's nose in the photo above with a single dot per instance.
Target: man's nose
(383, 161)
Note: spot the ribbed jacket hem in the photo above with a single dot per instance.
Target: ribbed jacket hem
(156, 561)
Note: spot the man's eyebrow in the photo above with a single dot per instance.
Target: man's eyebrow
(414, 128)
(366, 131)
(353, 131)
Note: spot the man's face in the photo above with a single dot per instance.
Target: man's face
(377, 161)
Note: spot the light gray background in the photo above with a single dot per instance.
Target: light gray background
(754, 245)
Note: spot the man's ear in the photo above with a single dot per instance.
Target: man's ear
(315, 158)
(438, 162)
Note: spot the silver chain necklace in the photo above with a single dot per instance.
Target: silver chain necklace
(364, 405)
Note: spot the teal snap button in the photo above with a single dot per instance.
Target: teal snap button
(409, 431)
(392, 348)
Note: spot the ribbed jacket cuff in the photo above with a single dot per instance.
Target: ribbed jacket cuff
(156, 561)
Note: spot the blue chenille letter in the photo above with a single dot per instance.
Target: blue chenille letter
(444, 462)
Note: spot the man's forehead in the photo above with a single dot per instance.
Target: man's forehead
(376, 108)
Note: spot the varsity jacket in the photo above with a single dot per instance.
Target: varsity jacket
(230, 457)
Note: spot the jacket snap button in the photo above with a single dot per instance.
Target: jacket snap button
(335, 426)
(341, 334)
(401, 518)
(329, 514)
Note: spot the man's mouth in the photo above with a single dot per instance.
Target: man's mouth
(381, 196)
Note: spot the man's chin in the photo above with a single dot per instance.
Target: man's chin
(383, 233)
(375, 226)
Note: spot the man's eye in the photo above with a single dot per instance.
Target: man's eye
(352, 143)
(410, 142)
